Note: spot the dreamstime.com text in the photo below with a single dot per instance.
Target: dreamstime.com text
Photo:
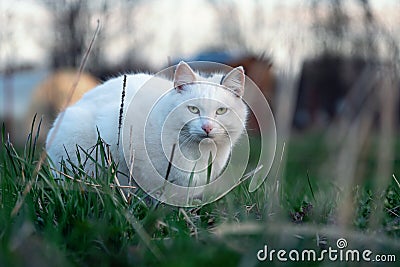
(341, 253)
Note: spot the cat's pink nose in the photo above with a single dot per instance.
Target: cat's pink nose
(207, 128)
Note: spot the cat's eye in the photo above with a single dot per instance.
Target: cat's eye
(194, 109)
(221, 111)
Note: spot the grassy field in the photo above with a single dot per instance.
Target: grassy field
(88, 223)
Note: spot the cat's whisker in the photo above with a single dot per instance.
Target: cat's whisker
(185, 141)
(189, 138)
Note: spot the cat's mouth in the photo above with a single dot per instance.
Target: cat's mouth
(198, 137)
(201, 136)
(207, 136)
(189, 136)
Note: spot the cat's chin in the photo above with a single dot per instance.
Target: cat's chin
(205, 139)
(202, 138)
(208, 139)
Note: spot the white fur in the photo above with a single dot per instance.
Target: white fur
(99, 109)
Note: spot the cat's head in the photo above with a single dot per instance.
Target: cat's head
(209, 107)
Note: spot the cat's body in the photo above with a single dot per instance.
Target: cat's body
(210, 114)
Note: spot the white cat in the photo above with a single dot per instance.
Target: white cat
(200, 116)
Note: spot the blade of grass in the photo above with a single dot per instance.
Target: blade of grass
(36, 138)
(121, 110)
(170, 162)
(309, 185)
(190, 183)
(397, 182)
(209, 167)
(144, 235)
(28, 144)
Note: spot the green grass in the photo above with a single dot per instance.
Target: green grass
(46, 223)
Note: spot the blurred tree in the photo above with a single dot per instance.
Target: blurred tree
(71, 32)
(75, 22)
(331, 80)
(235, 29)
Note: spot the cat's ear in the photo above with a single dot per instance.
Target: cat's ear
(234, 80)
(183, 74)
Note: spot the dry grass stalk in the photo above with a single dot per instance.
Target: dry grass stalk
(345, 139)
(388, 100)
(92, 184)
(190, 222)
(43, 155)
